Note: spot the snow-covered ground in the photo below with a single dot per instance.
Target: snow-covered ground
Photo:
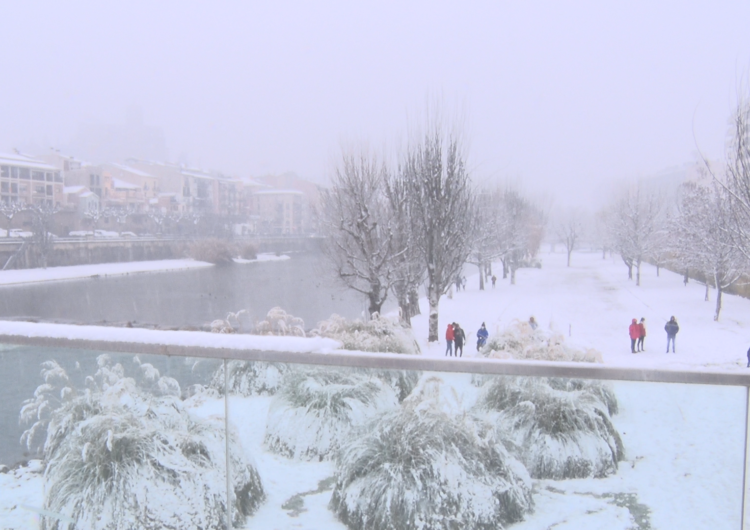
(684, 444)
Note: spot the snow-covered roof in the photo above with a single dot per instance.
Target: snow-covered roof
(120, 184)
(197, 175)
(73, 189)
(278, 192)
(24, 161)
(132, 170)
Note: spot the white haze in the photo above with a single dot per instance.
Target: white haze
(565, 97)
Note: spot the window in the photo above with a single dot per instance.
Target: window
(37, 175)
(49, 189)
(14, 187)
(39, 189)
(58, 177)
(48, 177)
(4, 187)
(24, 173)
(5, 172)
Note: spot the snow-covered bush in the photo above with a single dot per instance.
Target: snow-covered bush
(279, 322)
(131, 464)
(248, 378)
(429, 465)
(380, 334)
(315, 410)
(121, 457)
(401, 381)
(520, 341)
(217, 251)
(557, 431)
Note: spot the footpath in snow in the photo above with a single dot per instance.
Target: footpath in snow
(592, 304)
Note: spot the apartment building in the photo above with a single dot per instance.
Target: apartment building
(26, 180)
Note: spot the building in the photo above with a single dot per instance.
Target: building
(280, 212)
(26, 180)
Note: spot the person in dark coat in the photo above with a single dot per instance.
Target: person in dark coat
(459, 337)
(533, 323)
(482, 335)
(494, 280)
(641, 335)
(449, 341)
(635, 333)
(671, 328)
(748, 357)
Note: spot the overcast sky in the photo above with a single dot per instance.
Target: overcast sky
(563, 96)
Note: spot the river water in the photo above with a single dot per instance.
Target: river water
(179, 299)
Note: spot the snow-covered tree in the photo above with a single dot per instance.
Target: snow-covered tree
(430, 465)
(42, 216)
(9, 211)
(570, 230)
(359, 226)
(442, 208)
(636, 218)
(738, 174)
(705, 237)
(519, 231)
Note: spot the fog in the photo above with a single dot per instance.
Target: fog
(563, 97)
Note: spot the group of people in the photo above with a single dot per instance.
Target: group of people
(460, 282)
(455, 336)
(637, 331)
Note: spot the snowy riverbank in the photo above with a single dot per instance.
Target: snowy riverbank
(102, 270)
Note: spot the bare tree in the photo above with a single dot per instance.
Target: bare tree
(520, 229)
(9, 211)
(409, 268)
(442, 208)
(635, 220)
(42, 218)
(704, 232)
(360, 228)
(569, 230)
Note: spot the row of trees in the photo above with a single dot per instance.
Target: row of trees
(701, 229)
(391, 229)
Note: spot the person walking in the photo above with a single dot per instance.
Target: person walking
(459, 337)
(748, 357)
(482, 335)
(533, 323)
(634, 332)
(671, 328)
(494, 280)
(641, 335)
(449, 341)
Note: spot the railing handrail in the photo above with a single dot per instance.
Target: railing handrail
(168, 345)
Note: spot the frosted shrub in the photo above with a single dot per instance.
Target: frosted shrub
(557, 433)
(249, 378)
(315, 411)
(147, 464)
(520, 341)
(429, 465)
(380, 334)
(279, 322)
(119, 457)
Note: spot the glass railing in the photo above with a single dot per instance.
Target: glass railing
(112, 434)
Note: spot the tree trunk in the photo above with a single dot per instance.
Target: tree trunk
(718, 301)
(630, 271)
(657, 270)
(505, 268)
(604, 252)
(405, 310)
(638, 273)
(512, 274)
(569, 252)
(707, 297)
(433, 295)
(481, 278)
(686, 277)
(414, 303)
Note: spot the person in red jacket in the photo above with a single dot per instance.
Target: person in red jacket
(635, 334)
(449, 340)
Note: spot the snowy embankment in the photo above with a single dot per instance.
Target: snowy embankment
(102, 270)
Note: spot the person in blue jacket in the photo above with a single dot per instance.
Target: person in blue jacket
(671, 328)
(482, 335)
